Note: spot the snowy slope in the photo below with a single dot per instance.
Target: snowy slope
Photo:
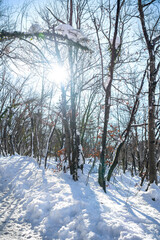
(38, 204)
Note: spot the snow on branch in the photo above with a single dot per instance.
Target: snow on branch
(76, 35)
(35, 27)
(7, 36)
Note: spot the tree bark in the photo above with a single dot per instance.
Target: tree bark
(134, 110)
(101, 175)
(73, 120)
(151, 98)
(49, 139)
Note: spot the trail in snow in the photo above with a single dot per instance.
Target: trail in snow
(12, 225)
(38, 204)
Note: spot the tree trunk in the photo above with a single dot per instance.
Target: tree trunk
(12, 148)
(49, 139)
(73, 120)
(66, 128)
(134, 110)
(151, 97)
(151, 122)
(101, 171)
(32, 137)
(101, 176)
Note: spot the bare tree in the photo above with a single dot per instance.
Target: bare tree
(112, 38)
(151, 43)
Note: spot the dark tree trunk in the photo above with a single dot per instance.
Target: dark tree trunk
(101, 172)
(126, 133)
(66, 129)
(151, 97)
(49, 139)
(73, 120)
(151, 122)
(12, 148)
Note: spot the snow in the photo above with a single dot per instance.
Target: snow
(34, 28)
(38, 204)
(71, 33)
(107, 81)
(80, 160)
(117, 42)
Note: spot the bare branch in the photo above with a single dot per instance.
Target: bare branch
(140, 7)
(156, 39)
(139, 125)
(147, 4)
(59, 20)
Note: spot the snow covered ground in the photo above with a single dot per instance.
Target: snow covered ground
(37, 204)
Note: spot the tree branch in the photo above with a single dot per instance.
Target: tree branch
(156, 39)
(6, 36)
(126, 132)
(147, 4)
(140, 8)
(59, 20)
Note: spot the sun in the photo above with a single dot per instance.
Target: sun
(57, 74)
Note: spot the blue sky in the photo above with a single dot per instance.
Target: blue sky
(18, 2)
(26, 5)
(14, 2)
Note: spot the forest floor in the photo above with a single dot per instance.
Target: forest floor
(37, 204)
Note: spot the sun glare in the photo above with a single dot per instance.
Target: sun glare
(58, 74)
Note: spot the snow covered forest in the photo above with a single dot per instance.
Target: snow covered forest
(80, 119)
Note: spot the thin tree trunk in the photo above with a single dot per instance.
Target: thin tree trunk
(64, 108)
(101, 175)
(49, 139)
(66, 129)
(134, 110)
(32, 137)
(12, 148)
(73, 120)
(151, 98)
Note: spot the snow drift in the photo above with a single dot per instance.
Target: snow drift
(39, 204)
